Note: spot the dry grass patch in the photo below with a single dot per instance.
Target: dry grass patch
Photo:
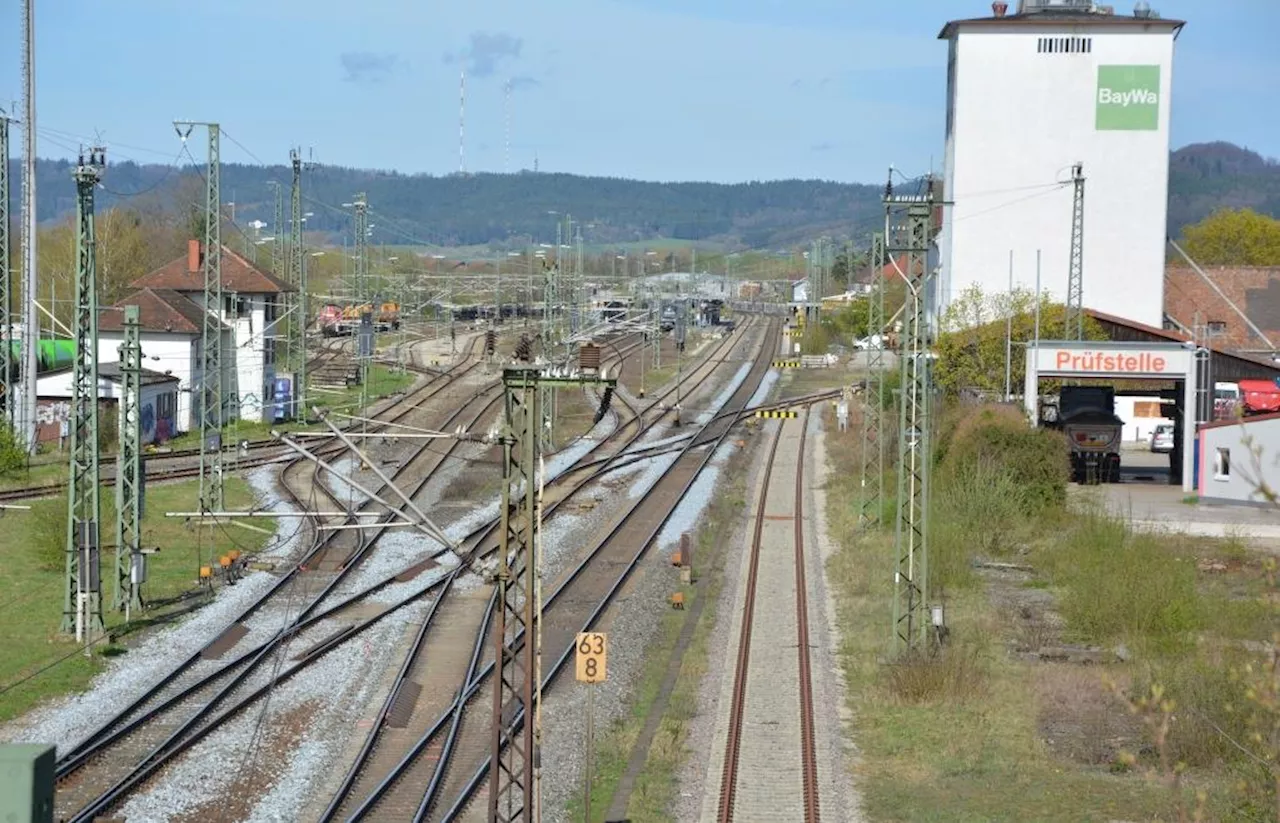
(1080, 717)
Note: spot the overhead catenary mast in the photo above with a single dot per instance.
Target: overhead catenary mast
(212, 402)
(6, 279)
(27, 404)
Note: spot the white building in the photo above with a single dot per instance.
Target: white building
(1029, 95)
(171, 301)
(158, 402)
(170, 335)
(1238, 459)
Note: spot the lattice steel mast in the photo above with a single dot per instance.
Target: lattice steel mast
(277, 233)
(212, 403)
(298, 279)
(130, 565)
(915, 460)
(82, 600)
(873, 415)
(516, 738)
(25, 414)
(6, 281)
(1074, 317)
(362, 247)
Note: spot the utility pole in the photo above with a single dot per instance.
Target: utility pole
(915, 460)
(82, 598)
(873, 415)
(130, 564)
(26, 413)
(6, 280)
(513, 772)
(298, 279)
(1074, 317)
(212, 409)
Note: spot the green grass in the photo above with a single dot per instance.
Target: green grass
(1117, 586)
(958, 738)
(384, 381)
(31, 593)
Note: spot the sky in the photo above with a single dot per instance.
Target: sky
(720, 90)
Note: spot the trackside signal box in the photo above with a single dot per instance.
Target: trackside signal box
(26, 783)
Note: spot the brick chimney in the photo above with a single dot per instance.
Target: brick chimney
(193, 256)
(999, 9)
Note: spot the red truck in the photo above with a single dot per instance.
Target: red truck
(1259, 397)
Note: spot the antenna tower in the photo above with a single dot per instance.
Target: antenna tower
(506, 106)
(462, 122)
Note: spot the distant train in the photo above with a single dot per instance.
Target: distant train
(336, 320)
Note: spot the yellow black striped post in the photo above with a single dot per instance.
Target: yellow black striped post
(784, 414)
(786, 364)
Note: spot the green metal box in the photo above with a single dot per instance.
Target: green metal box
(26, 783)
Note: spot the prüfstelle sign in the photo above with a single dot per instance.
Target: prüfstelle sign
(1109, 362)
(1128, 98)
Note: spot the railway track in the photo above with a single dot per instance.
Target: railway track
(167, 696)
(770, 768)
(176, 464)
(135, 735)
(458, 740)
(401, 769)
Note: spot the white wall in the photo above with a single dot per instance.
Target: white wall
(1239, 484)
(1138, 428)
(253, 374)
(1017, 121)
(167, 353)
(59, 386)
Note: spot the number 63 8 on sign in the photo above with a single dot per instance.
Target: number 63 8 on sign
(589, 664)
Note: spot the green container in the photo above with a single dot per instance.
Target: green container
(26, 783)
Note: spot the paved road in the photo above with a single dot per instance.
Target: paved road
(1150, 502)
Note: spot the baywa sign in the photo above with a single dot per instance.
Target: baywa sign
(1128, 98)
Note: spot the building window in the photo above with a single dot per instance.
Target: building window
(269, 352)
(1217, 327)
(270, 311)
(1222, 464)
(1064, 45)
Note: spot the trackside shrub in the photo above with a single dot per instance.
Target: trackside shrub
(996, 441)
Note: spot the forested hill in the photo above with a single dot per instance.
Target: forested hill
(459, 210)
(1208, 176)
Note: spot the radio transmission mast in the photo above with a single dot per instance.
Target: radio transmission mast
(462, 122)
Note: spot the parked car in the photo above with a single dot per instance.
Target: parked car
(1162, 438)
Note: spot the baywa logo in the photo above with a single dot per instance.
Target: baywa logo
(1128, 98)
